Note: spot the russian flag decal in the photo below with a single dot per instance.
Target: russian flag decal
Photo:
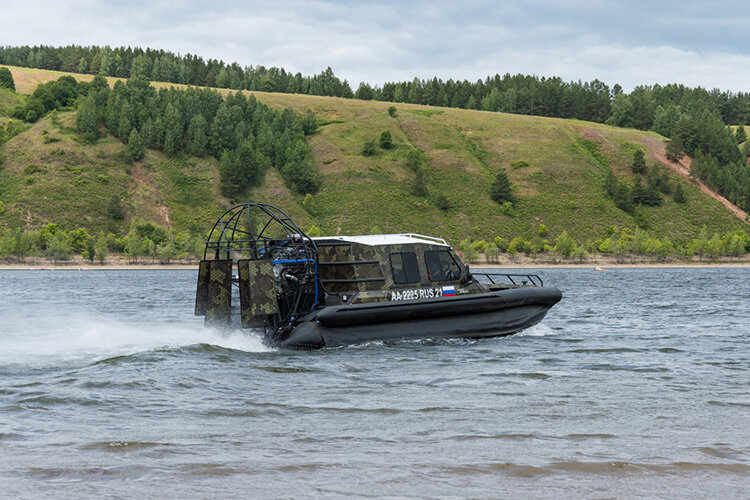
(449, 291)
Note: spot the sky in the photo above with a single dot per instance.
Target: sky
(626, 42)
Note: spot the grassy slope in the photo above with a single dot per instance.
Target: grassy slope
(561, 187)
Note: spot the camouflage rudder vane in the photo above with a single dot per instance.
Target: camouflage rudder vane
(245, 303)
(201, 293)
(219, 301)
(262, 288)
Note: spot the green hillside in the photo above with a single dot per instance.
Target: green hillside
(557, 167)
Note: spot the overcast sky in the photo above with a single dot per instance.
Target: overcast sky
(627, 42)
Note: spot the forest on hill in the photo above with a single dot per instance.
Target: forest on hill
(522, 185)
(694, 119)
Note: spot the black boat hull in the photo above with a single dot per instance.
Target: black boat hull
(468, 316)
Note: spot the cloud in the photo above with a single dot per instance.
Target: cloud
(618, 42)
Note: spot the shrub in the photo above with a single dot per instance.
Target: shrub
(386, 141)
(507, 209)
(368, 149)
(392, 111)
(442, 202)
(420, 184)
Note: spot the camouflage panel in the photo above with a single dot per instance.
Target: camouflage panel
(367, 271)
(383, 255)
(336, 253)
(245, 309)
(262, 288)
(201, 294)
(219, 302)
(371, 296)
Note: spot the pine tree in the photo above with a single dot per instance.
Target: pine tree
(230, 174)
(172, 130)
(639, 163)
(740, 134)
(197, 138)
(86, 120)
(115, 210)
(310, 123)
(222, 131)
(501, 189)
(135, 145)
(125, 123)
(679, 193)
(6, 79)
(147, 132)
(250, 163)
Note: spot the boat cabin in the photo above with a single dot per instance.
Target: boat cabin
(383, 262)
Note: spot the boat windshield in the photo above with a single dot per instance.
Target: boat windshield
(441, 266)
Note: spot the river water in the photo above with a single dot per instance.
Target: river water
(637, 384)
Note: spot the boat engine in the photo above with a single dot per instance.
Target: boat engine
(277, 270)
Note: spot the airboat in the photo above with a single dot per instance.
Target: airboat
(261, 271)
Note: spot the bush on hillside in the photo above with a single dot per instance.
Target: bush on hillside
(6, 79)
(386, 140)
(368, 148)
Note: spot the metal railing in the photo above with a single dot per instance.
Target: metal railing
(512, 279)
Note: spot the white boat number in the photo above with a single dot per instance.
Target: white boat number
(419, 293)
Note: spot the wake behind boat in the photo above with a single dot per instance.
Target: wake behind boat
(310, 293)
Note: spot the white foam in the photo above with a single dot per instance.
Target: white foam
(538, 330)
(82, 336)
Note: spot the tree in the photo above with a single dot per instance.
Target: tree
(251, 164)
(678, 195)
(222, 131)
(639, 163)
(197, 136)
(675, 149)
(100, 248)
(114, 209)
(386, 141)
(309, 123)
(564, 244)
(135, 145)
(230, 174)
(6, 79)
(86, 119)
(501, 190)
(740, 134)
(125, 123)
(172, 130)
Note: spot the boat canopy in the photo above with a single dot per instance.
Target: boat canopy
(387, 239)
